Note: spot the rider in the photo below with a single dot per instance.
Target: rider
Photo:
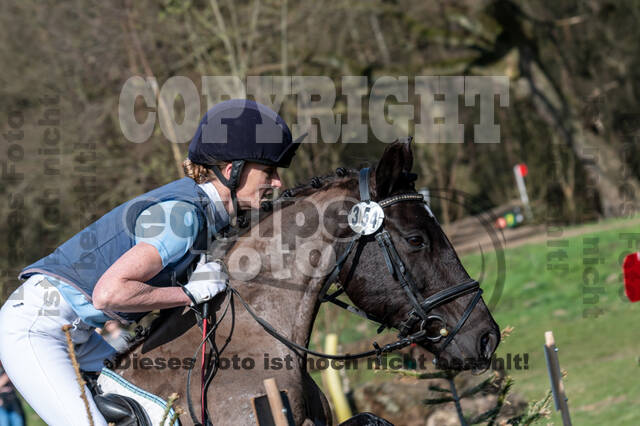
(134, 258)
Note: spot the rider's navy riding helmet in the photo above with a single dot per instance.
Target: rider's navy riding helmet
(237, 131)
(241, 129)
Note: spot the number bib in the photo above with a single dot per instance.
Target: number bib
(365, 217)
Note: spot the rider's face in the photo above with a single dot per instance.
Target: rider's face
(256, 181)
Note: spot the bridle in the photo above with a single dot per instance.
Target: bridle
(366, 219)
(420, 312)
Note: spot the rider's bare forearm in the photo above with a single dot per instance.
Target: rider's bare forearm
(136, 296)
(123, 286)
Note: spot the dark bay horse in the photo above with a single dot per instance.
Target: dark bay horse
(279, 267)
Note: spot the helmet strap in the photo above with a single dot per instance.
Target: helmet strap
(231, 183)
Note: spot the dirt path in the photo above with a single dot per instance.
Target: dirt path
(511, 238)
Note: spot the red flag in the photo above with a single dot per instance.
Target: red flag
(631, 272)
(523, 169)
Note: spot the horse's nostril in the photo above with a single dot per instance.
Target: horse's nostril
(488, 343)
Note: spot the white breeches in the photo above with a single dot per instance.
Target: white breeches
(33, 350)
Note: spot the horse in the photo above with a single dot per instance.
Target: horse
(278, 272)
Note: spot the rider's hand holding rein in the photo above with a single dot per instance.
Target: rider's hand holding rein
(206, 281)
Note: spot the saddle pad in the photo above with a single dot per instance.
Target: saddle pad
(111, 382)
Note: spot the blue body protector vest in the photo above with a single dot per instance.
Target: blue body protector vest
(81, 260)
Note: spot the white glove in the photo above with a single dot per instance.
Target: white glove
(207, 280)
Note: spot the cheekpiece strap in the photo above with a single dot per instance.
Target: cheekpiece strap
(363, 181)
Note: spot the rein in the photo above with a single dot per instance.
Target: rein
(366, 218)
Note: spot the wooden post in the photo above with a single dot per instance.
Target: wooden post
(331, 378)
(555, 377)
(275, 402)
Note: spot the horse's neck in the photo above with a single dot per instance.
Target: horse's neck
(286, 291)
(290, 306)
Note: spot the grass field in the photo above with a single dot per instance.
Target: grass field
(593, 323)
(572, 286)
(545, 290)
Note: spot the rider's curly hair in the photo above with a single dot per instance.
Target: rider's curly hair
(198, 172)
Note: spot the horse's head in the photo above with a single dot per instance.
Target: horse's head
(457, 327)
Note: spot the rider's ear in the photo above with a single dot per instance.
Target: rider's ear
(226, 170)
(395, 163)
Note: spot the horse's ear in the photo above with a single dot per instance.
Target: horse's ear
(396, 162)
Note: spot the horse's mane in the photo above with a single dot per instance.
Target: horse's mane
(321, 182)
(314, 184)
(290, 196)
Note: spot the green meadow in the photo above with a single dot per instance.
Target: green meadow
(573, 287)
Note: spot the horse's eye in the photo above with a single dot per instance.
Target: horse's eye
(416, 241)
